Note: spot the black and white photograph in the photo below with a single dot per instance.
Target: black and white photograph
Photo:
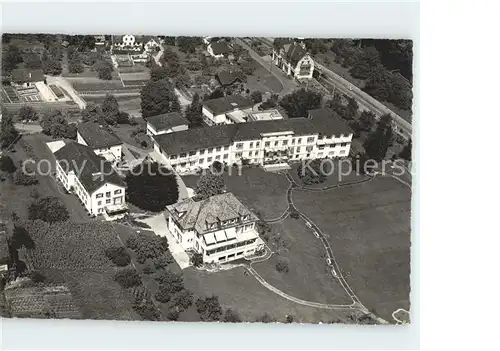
(206, 179)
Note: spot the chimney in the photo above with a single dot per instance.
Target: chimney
(29, 74)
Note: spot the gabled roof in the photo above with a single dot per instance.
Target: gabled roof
(22, 75)
(220, 48)
(227, 78)
(98, 136)
(328, 120)
(92, 170)
(227, 104)
(190, 214)
(167, 121)
(295, 53)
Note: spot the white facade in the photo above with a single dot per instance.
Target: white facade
(137, 44)
(111, 154)
(210, 119)
(96, 202)
(302, 70)
(211, 52)
(271, 148)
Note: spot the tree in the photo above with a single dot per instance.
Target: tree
(104, 69)
(6, 164)
(48, 209)
(8, 133)
(151, 187)
(183, 300)
(196, 259)
(11, 57)
(193, 112)
(217, 93)
(183, 81)
(282, 266)
(405, 154)
(209, 184)
(352, 108)
(32, 61)
(209, 308)
(366, 63)
(52, 67)
(21, 238)
(271, 102)
(158, 97)
(110, 109)
(256, 96)
(149, 246)
(265, 318)
(311, 172)
(27, 113)
(92, 112)
(21, 178)
(380, 139)
(366, 120)
(300, 101)
(170, 281)
(75, 65)
(162, 295)
(231, 316)
(118, 255)
(128, 278)
(188, 44)
(158, 73)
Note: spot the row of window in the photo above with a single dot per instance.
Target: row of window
(285, 142)
(108, 193)
(117, 200)
(321, 147)
(202, 152)
(229, 247)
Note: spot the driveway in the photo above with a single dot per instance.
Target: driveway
(158, 224)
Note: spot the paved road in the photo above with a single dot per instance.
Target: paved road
(66, 85)
(288, 84)
(25, 128)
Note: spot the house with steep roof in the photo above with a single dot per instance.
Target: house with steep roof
(166, 123)
(92, 178)
(226, 110)
(272, 144)
(228, 78)
(101, 139)
(218, 49)
(293, 59)
(25, 78)
(220, 228)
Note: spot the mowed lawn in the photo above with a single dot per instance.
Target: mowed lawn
(244, 294)
(368, 227)
(309, 277)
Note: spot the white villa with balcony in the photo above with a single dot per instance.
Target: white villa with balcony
(220, 228)
(92, 179)
(293, 59)
(101, 139)
(273, 144)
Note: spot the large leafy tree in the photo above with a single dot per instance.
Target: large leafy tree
(352, 108)
(366, 63)
(6, 164)
(209, 308)
(8, 132)
(151, 187)
(28, 113)
(406, 152)
(209, 184)
(193, 112)
(11, 57)
(158, 97)
(300, 101)
(188, 44)
(366, 120)
(48, 209)
(379, 140)
(158, 73)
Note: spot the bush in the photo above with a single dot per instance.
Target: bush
(6, 164)
(172, 282)
(162, 261)
(48, 209)
(21, 178)
(231, 316)
(37, 277)
(147, 245)
(209, 308)
(196, 259)
(256, 96)
(146, 309)
(282, 266)
(162, 295)
(118, 256)
(128, 278)
(266, 318)
(183, 300)
(294, 214)
(147, 269)
(289, 319)
(172, 314)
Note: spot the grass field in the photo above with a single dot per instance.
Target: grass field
(309, 277)
(368, 227)
(244, 294)
(263, 81)
(123, 131)
(261, 191)
(129, 104)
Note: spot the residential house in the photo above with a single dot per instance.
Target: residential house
(226, 110)
(92, 178)
(101, 139)
(166, 123)
(26, 78)
(137, 46)
(220, 228)
(227, 78)
(218, 49)
(272, 144)
(293, 59)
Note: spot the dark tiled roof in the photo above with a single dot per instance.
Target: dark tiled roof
(295, 53)
(227, 104)
(87, 165)
(328, 120)
(98, 136)
(226, 134)
(220, 48)
(212, 210)
(167, 121)
(228, 78)
(22, 75)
